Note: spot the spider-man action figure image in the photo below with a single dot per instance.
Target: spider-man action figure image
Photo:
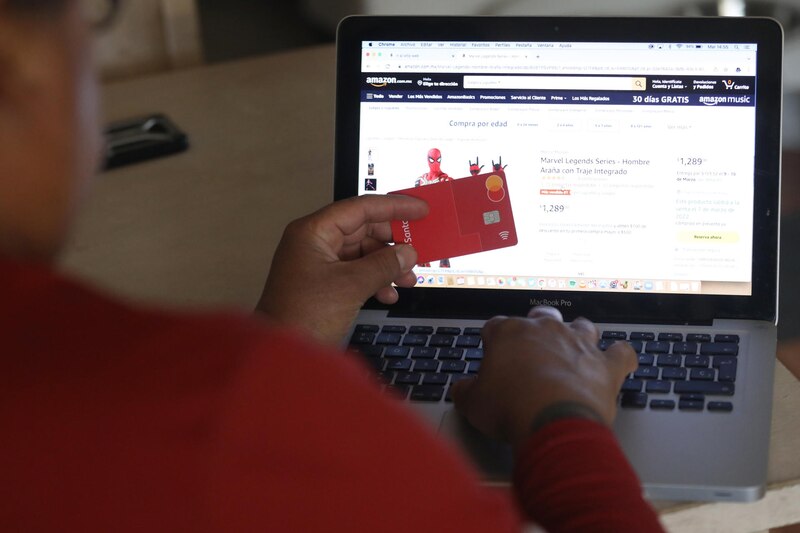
(434, 175)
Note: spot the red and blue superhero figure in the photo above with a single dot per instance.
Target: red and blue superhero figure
(474, 168)
(434, 175)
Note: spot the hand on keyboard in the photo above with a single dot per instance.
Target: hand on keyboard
(533, 363)
(329, 263)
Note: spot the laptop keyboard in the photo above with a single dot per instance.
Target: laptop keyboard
(687, 372)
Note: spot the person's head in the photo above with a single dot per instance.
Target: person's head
(49, 132)
(435, 160)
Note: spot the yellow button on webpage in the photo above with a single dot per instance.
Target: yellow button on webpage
(727, 237)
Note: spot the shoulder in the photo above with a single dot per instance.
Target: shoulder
(70, 326)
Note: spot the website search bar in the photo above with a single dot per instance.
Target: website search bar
(557, 83)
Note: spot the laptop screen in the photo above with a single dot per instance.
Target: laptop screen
(630, 164)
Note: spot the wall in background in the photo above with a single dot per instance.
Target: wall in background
(238, 28)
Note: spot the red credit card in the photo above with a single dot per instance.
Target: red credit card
(467, 215)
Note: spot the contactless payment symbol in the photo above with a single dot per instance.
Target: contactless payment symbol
(494, 188)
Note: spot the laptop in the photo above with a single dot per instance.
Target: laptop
(642, 161)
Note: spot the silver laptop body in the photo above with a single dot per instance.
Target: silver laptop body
(642, 158)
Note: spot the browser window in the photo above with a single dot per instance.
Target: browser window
(629, 165)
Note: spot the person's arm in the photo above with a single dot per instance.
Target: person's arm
(546, 387)
(571, 475)
(310, 443)
(330, 262)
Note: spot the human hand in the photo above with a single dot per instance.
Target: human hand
(533, 363)
(330, 262)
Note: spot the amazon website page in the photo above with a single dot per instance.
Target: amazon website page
(636, 177)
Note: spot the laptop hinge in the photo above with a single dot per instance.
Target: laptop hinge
(567, 317)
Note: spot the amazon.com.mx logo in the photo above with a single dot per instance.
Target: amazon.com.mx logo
(380, 81)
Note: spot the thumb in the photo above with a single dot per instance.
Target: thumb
(381, 267)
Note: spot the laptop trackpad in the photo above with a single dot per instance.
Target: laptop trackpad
(493, 458)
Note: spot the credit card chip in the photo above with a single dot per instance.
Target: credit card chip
(491, 217)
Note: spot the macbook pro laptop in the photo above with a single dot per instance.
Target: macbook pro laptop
(642, 160)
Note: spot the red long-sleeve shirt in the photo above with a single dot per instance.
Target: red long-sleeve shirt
(120, 418)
